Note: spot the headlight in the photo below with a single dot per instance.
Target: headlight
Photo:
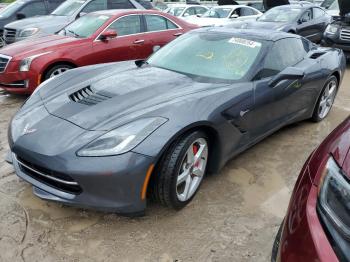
(28, 32)
(332, 29)
(122, 139)
(334, 196)
(25, 63)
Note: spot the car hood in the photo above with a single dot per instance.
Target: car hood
(344, 7)
(42, 22)
(33, 46)
(105, 96)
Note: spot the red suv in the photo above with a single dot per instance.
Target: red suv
(317, 224)
(99, 37)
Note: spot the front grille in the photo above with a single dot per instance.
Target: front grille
(9, 35)
(88, 96)
(345, 34)
(4, 61)
(53, 179)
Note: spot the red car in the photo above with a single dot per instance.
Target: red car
(99, 37)
(317, 224)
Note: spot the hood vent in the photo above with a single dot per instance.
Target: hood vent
(88, 96)
(317, 55)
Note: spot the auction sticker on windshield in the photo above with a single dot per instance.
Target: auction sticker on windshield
(244, 42)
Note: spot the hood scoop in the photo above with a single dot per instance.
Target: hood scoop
(88, 96)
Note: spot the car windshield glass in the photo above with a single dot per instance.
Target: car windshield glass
(217, 13)
(85, 26)
(11, 9)
(280, 15)
(176, 11)
(327, 3)
(212, 56)
(334, 6)
(68, 7)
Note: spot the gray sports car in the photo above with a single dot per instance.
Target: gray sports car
(103, 136)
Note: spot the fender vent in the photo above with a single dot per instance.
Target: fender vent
(88, 96)
(316, 55)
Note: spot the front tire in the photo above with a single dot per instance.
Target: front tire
(181, 170)
(326, 99)
(57, 70)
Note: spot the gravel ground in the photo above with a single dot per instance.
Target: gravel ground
(234, 217)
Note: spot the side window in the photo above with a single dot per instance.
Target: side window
(284, 53)
(34, 8)
(307, 16)
(247, 11)
(158, 23)
(53, 4)
(190, 11)
(200, 10)
(318, 12)
(120, 4)
(95, 5)
(127, 25)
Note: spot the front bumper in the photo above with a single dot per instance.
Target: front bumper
(17, 82)
(106, 183)
(334, 42)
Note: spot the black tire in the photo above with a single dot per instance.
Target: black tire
(315, 116)
(55, 68)
(164, 188)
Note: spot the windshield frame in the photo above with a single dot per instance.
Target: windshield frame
(248, 77)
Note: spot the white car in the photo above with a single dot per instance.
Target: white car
(185, 11)
(226, 14)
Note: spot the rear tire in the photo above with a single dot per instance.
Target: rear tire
(181, 170)
(326, 99)
(57, 70)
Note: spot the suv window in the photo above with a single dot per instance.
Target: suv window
(200, 10)
(120, 4)
(246, 11)
(127, 25)
(158, 23)
(34, 8)
(53, 4)
(284, 53)
(318, 12)
(95, 5)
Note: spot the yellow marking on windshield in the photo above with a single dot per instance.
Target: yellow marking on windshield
(207, 56)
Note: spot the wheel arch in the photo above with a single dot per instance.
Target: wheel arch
(55, 63)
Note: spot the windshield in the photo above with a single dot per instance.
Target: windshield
(176, 11)
(334, 6)
(85, 26)
(11, 9)
(218, 13)
(327, 3)
(68, 8)
(280, 15)
(210, 56)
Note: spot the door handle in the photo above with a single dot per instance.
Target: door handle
(177, 34)
(137, 42)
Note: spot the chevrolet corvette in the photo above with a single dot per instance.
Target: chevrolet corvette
(107, 136)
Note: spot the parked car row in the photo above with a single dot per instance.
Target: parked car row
(108, 136)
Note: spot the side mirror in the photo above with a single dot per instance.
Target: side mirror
(234, 16)
(107, 35)
(290, 73)
(20, 16)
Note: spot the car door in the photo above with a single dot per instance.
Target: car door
(160, 31)
(321, 20)
(275, 105)
(307, 27)
(128, 45)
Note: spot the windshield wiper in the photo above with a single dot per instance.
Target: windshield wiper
(74, 33)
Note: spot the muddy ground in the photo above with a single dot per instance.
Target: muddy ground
(234, 217)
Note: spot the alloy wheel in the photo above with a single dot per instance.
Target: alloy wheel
(59, 71)
(327, 99)
(192, 169)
